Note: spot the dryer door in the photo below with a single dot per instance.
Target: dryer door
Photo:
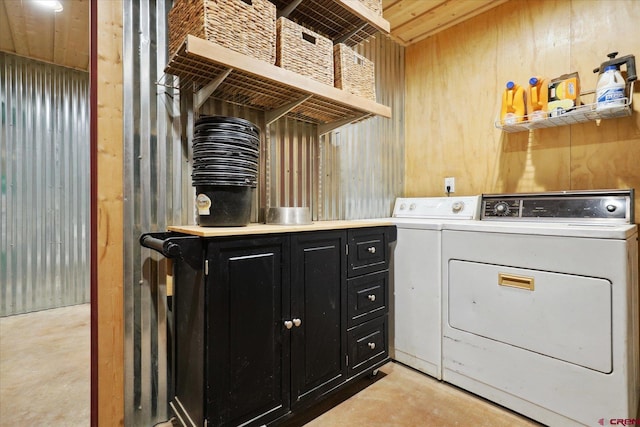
(564, 316)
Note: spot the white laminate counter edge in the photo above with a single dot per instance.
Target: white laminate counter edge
(255, 228)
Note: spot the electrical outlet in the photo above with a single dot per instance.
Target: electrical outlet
(450, 185)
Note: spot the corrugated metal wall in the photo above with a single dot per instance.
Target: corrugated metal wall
(362, 165)
(156, 191)
(44, 186)
(354, 172)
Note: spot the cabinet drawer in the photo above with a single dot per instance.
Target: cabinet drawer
(367, 297)
(368, 345)
(368, 250)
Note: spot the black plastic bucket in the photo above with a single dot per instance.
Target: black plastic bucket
(223, 205)
(222, 135)
(227, 123)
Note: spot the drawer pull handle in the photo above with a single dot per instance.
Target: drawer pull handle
(297, 322)
(288, 324)
(372, 250)
(372, 297)
(372, 345)
(520, 282)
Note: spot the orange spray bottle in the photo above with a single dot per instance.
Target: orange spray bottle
(513, 104)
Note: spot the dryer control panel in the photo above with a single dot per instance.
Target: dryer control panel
(609, 206)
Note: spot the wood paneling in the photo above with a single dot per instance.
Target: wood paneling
(32, 31)
(606, 156)
(415, 20)
(454, 85)
(110, 328)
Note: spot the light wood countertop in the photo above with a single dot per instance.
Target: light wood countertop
(257, 228)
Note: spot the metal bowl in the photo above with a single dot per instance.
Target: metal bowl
(288, 216)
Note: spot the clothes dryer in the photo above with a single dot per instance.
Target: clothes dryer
(540, 305)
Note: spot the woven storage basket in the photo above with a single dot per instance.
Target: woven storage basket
(375, 5)
(354, 72)
(304, 51)
(245, 26)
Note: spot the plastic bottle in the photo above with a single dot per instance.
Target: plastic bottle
(538, 98)
(610, 88)
(513, 104)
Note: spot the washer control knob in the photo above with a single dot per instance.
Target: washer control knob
(412, 206)
(457, 206)
(611, 208)
(402, 206)
(501, 209)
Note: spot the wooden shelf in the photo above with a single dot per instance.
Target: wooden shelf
(237, 78)
(342, 21)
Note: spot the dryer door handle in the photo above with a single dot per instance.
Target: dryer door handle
(513, 281)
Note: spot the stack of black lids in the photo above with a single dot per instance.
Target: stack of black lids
(225, 152)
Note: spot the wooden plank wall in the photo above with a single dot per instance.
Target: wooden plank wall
(454, 85)
(110, 252)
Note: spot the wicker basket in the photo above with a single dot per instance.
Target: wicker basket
(374, 5)
(354, 72)
(245, 26)
(304, 51)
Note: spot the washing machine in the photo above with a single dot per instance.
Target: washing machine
(540, 305)
(416, 326)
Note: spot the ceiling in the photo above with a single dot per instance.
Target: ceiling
(415, 20)
(27, 29)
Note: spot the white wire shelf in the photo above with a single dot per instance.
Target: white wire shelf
(581, 114)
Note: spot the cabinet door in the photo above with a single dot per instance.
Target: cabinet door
(318, 300)
(247, 348)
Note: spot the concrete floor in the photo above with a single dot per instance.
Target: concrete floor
(45, 381)
(45, 368)
(404, 397)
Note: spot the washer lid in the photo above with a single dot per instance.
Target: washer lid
(418, 223)
(437, 207)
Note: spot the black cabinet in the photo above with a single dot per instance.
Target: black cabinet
(247, 348)
(267, 325)
(318, 301)
(368, 297)
(368, 345)
(368, 250)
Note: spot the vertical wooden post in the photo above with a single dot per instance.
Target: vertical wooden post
(107, 216)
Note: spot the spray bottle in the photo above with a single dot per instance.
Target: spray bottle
(610, 91)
